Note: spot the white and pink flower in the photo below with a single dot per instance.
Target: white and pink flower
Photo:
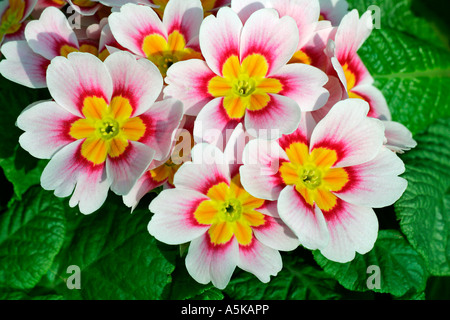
(49, 37)
(225, 226)
(12, 18)
(327, 181)
(103, 128)
(175, 38)
(244, 78)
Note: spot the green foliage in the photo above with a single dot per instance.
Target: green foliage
(31, 235)
(402, 269)
(424, 209)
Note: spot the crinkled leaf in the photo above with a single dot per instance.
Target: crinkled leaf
(117, 257)
(22, 170)
(31, 235)
(401, 269)
(424, 208)
(296, 281)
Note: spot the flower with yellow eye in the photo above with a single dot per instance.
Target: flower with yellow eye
(12, 17)
(51, 36)
(175, 38)
(103, 128)
(225, 225)
(328, 180)
(245, 78)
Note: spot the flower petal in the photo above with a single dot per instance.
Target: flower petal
(22, 65)
(173, 221)
(275, 234)
(306, 222)
(259, 174)
(50, 33)
(126, 169)
(184, 16)
(352, 229)
(219, 38)
(188, 82)
(162, 120)
(206, 262)
(139, 81)
(376, 183)
(347, 130)
(68, 168)
(275, 38)
(304, 84)
(399, 138)
(79, 76)
(213, 124)
(280, 116)
(132, 24)
(46, 127)
(260, 260)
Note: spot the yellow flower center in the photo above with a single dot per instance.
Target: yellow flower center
(230, 212)
(312, 175)
(244, 85)
(163, 53)
(107, 129)
(10, 22)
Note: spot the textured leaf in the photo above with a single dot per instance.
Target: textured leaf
(296, 281)
(413, 76)
(424, 208)
(31, 235)
(117, 257)
(402, 269)
(22, 170)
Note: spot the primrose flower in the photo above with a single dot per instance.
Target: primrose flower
(51, 36)
(312, 38)
(244, 78)
(175, 38)
(12, 18)
(327, 181)
(103, 128)
(225, 225)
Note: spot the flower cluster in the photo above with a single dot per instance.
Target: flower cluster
(257, 117)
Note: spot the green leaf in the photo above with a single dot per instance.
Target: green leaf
(413, 76)
(296, 281)
(22, 170)
(117, 257)
(401, 269)
(424, 208)
(398, 15)
(31, 235)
